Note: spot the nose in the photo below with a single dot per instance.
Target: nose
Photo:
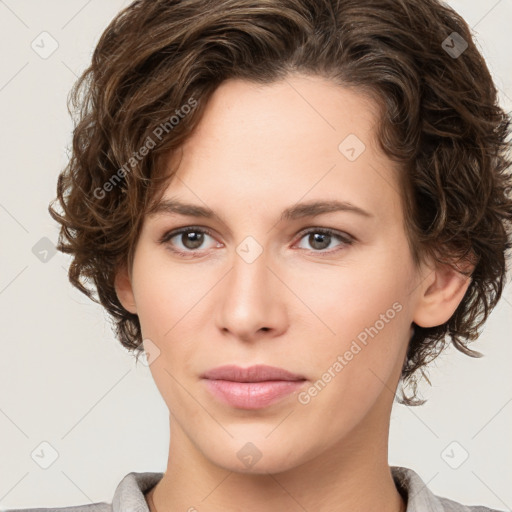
(252, 300)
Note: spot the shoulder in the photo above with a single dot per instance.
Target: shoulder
(92, 507)
(453, 506)
(420, 498)
(128, 496)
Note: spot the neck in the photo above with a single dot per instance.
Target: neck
(353, 475)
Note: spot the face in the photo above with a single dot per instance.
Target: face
(327, 295)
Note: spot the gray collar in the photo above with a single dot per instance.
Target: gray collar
(129, 495)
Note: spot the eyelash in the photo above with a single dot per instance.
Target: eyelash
(346, 239)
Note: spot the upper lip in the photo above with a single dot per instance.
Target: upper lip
(257, 373)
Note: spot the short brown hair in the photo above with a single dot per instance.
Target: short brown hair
(440, 121)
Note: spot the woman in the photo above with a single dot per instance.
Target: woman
(291, 207)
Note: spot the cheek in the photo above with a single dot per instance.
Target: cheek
(350, 299)
(364, 330)
(168, 298)
(163, 292)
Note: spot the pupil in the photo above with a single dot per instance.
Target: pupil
(195, 243)
(321, 236)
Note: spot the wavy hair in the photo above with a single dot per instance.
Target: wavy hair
(157, 63)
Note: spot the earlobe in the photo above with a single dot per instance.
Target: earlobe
(124, 290)
(440, 296)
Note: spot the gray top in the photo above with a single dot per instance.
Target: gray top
(129, 496)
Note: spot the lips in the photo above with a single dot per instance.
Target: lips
(257, 373)
(255, 387)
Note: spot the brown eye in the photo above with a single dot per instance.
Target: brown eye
(192, 239)
(320, 239)
(187, 241)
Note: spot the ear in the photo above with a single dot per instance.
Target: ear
(124, 290)
(441, 292)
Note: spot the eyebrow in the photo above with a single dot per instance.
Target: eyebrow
(297, 211)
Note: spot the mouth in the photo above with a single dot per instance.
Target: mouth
(256, 373)
(255, 387)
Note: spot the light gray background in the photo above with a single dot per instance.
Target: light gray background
(64, 379)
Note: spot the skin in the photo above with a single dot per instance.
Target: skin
(258, 150)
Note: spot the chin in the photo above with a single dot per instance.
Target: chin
(254, 455)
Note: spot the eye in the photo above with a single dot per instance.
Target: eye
(192, 239)
(321, 238)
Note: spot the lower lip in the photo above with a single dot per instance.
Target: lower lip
(252, 395)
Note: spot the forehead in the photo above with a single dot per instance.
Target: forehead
(265, 145)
